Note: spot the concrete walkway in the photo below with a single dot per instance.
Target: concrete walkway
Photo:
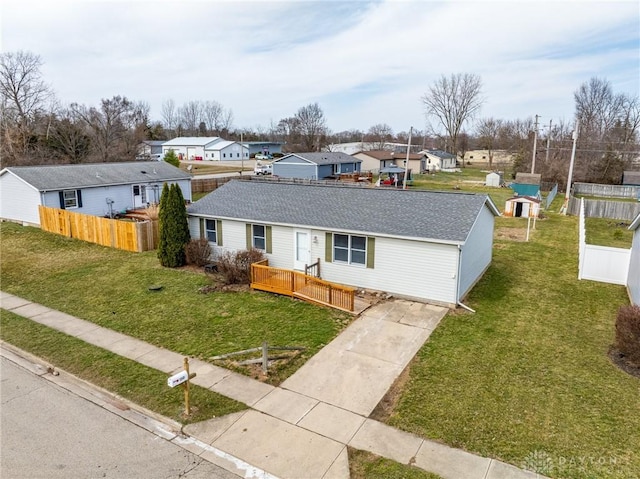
(302, 428)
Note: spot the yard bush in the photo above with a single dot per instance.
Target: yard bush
(628, 334)
(198, 252)
(236, 267)
(174, 228)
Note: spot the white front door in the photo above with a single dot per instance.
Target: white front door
(139, 196)
(302, 249)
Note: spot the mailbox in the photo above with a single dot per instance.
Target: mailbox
(177, 379)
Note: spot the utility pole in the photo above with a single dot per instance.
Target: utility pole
(567, 194)
(406, 166)
(548, 144)
(535, 140)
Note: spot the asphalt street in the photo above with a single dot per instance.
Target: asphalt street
(49, 432)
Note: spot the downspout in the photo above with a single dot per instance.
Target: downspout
(458, 302)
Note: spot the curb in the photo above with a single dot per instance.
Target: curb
(151, 421)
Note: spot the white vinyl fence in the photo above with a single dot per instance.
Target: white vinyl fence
(601, 263)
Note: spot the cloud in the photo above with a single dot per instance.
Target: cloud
(364, 62)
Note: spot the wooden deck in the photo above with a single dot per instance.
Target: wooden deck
(302, 286)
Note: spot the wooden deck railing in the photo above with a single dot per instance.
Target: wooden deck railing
(300, 285)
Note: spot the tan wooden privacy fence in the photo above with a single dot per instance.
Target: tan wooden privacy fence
(302, 286)
(126, 235)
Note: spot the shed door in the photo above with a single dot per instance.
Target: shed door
(518, 212)
(302, 249)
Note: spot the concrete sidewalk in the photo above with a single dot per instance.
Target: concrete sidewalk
(303, 428)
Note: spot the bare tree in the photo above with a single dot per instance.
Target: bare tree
(378, 135)
(169, 117)
(191, 116)
(312, 126)
(24, 96)
(452, 101)
(212, 112)
(68, 139)
(487, 130)
(114, 128)
(608, 130)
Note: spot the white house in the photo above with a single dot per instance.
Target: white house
(364, 237)
(225, 150)
(633, 278)
(90, 188)
(190, 147)
(439, 160)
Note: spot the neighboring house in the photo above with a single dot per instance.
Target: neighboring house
(315, 166)
(351, 147)
(522, 207)
(438, 160)
(408, 243)
(482, 156)
(633, 281)
(375, 160)
(190, 147)
(225, 150)
(631, 178)
(149, 149)
(89, 188)
(494, 179)
(264, 147)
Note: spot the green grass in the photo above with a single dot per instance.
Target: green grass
(364, 465)
(110, 288)
(529, 373)
(608, 232)
(138, 383)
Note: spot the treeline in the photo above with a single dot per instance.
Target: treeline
(37, 129)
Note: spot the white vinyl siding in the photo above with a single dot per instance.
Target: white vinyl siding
(476, 252)
(633, 282)
(18, 200)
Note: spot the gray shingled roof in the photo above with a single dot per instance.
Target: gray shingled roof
(326, 158)
(446, 217)
(58, 177)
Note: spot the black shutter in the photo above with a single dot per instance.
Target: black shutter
(79, 192)
(61, 195)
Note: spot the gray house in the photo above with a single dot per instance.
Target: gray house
(315, 166)
(364, 237)
(633, 281)
(90, 188)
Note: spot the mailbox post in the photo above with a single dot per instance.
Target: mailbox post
(183, 378)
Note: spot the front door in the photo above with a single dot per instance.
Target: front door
(302, 253)
(139, 196)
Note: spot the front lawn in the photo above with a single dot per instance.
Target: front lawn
(131, 380)
(110, 288)
(526, 379)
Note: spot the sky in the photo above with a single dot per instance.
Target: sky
(363, 62)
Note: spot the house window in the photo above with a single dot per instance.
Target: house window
(350, 249)
(70, 199)
(224, 155)
(259, 240)
(210, 231)
(238, 155)
(471, 157)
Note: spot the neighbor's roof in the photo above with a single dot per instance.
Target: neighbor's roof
(389, 155)
(631, 178)
(191, 141)
(154, 142)
(219, 145)
(323, 158)
(528, 178)
(445, 217)
(59, 177)
(522, 198)
(248, 143)
(525, 190)
(439, 153)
